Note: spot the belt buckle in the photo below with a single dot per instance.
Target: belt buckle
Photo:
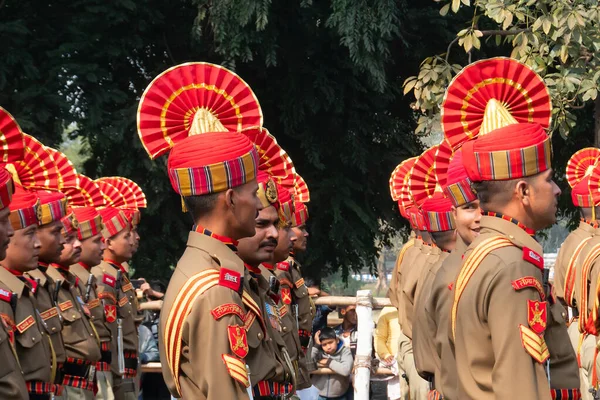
(91, 373)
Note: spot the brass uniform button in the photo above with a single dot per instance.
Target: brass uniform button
(260, 335)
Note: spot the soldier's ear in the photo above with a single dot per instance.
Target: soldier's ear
(522, 191)
(229, 198)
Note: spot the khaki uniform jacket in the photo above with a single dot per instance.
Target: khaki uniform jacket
(497, 357)
(427, 361)
(437, 309)
(267, 362)
(94, 304)
(49, 311)
(289, 333)
(403, 267)
(393, 291)
(204, 372)
(124, 297)
(79, 337)
(582, 232)
(583, 255)
(30, 342)
(409, 289)
(290, 277)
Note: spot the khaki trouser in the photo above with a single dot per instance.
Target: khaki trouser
(72, 393)
(417, 386)
(124, 389)
(586, 354)
(105, 385)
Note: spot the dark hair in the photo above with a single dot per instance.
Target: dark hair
(159, 286)
(200, 205)
(309, 281)
(327, 333)
(499, 192)
(443, 239)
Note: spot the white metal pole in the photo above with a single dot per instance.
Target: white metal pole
(364, 344)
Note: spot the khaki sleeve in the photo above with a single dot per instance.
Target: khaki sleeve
(381, 335)
(205, 371)
(515, 374)
(593, 292)
(393, 291)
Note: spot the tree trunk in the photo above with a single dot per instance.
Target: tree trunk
(382, 283)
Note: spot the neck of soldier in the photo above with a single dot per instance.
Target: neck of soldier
(513, 209)
(426, 237)
(110, 255)
(217, 225)
(590, 214)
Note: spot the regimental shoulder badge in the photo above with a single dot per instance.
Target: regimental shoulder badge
(533, 257)
(537, 315)
(238, 340)
(283, 266)
(110, 311)
(529, 282)
(109, 280)
(286, 295)
(226, 309)
(534, 344)
(230, 279)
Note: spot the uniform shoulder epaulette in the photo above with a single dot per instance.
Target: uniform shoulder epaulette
(5, 295)
(283, 266)
(533, 257)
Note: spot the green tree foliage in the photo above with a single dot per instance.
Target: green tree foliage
(559, 39)
(328, 76)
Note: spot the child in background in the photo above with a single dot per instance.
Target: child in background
(347, 330)
(334, 355)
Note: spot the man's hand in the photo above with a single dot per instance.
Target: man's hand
(389, 360)
(317, 339)
(323, 362)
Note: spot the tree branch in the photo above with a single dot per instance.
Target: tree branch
(492, 32)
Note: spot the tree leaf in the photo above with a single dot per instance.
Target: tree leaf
(444, 10)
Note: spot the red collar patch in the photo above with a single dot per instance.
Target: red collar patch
(109, 280)
(533, 257)
(230, 279)
(5, 295)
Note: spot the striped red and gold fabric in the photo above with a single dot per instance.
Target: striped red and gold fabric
(422, 182)
(39, 387)
(300, 214)
(89, 222)
(442, 162)
(87, 194)
(513, 152)
(191, 99)
(593, 186)
(492, 93)
(37, 169)
(458, 185)
(578, 172)
(399, 177)
(67, 174)
(23, 209)
(301, 192)
(286, 204)
(114, 221)
(111, 194)
(69, 224)
(7, 188)
(437, 211)
(272, 159)
(52, 207)
(138, 193)
(12, 145)
(417, 220)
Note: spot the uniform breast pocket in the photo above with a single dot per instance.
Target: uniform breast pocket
(74, 329)
(28, 333)
(255, 335)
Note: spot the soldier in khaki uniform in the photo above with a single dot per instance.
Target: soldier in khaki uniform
(507, 329)
(89, 232)
(15, 293)
(211, 326)
(120, 300)
(29, 332)
(467, 217)
(571, 257)
(52, 295)
(441, 225)
(254, 251)
(82, 343)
